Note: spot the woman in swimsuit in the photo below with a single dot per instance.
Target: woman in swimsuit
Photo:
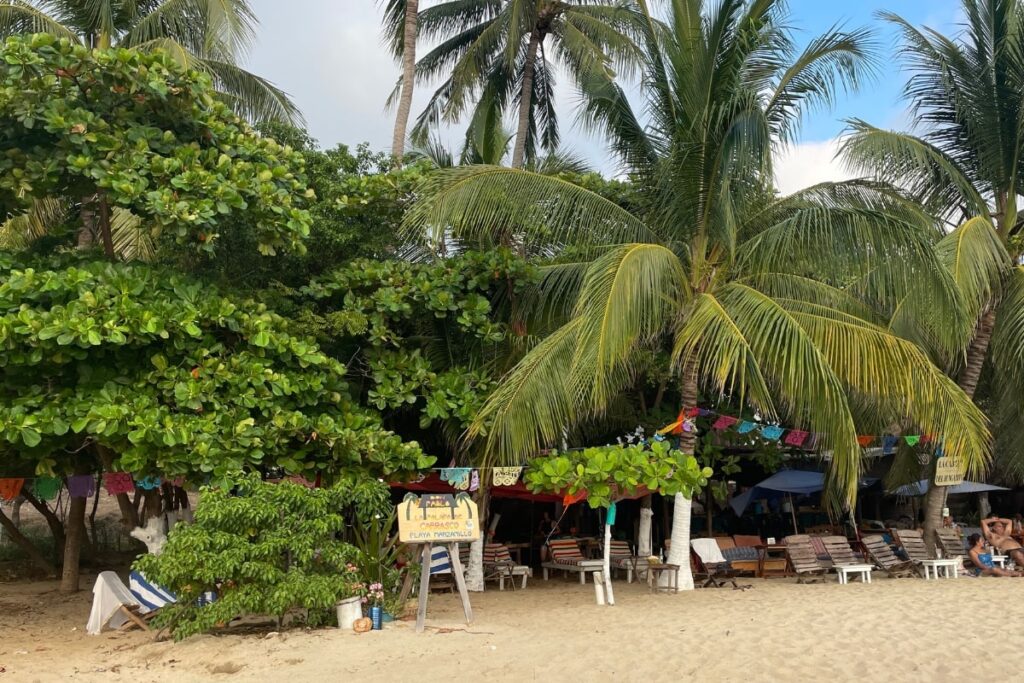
(982, 560)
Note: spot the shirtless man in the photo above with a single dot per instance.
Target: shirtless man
(997, 532)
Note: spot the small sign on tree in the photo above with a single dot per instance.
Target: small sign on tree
(949, 471)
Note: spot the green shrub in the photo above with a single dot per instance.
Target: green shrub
(265, 549)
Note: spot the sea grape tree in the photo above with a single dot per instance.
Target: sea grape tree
(120, 128)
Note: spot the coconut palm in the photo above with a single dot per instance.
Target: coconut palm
(207, 35)
(774, 301)
(964, 162)
(400, 28)
(502, 54)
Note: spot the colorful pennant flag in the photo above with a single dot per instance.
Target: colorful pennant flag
(10, 488)
(505, 476)
(724, 422)
(474, 480)
(46, 488)
(746, 427)
(796, 438)
(889, 443)
(865, 440)
(912, 439)
(81, 485)
(609, 517)
(148, 483)
(772, 432)
(691, 412)
(118, 482)
(457, 477)
(570, 498)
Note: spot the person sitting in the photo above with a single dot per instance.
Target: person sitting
(982, 560)
(997, 531)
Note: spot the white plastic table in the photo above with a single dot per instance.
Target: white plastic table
(933, 567)
(844, 570)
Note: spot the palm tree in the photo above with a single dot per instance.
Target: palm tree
(964, 162)
(206, 35)
(400, 28)
(496, 52)
(771, 301)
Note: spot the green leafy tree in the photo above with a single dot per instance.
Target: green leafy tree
(206, 35)
(733, 279)
(264, 549)
(138, 131)
(356, 213)
(496, 52)
(964, 162)
(609, 473)
(130, 368)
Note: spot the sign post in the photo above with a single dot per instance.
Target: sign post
(439, 518)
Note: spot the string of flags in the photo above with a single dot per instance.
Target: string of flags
(80, 485)
(686, 422)
(468, 478)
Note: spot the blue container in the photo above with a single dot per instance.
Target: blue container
(377, 616)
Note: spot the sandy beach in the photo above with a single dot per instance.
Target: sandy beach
(907, 630)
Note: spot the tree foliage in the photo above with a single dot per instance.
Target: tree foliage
(207, 35)
(607, 473)
(174, 378)
(147, 135)
(264, 549)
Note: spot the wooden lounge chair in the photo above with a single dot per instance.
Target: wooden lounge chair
(623, 557)
(844, 560)
(712, 565)
(803, 559)
(742, 558)
(912, 542)
(886, 559)
(498, 565)
(566, 557)
(950, 543)
(771, 564)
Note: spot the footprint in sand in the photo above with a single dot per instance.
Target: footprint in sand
(226, 668)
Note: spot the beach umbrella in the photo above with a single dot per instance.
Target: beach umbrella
(800, 482)
(919, 488)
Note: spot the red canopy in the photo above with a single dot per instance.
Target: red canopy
(432, 484)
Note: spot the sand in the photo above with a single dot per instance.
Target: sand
(906, 629)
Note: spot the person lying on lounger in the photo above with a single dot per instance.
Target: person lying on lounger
(982, 560)
(997, 531)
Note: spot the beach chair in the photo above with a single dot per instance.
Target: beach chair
(118, 606)
(712, 565)
(498, 565)
(742, 559)
(566, 557)
(912, 542)
(804, 559)
(622, 557)
(844, 560)
(950, 543)
(886, 559)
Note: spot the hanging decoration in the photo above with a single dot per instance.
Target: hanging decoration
(474, 480)
(10, 488)
(796, 438)
(457, 477)
(610, 516)
(865, 440)
(46, 488)
(148, 483)
(118, 482)
(505, 476)
(724, 422)
(911, 439)
(82, 485)
(746, 427)
(771, 432)
(570, 498)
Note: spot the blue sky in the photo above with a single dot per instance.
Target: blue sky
(328, 55)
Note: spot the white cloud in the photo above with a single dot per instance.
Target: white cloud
(808, 163)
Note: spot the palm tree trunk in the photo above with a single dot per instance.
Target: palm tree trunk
(526, 100)
(679, 553)
(105, 234)
(935, 501)
(475, 569)
(408, 78)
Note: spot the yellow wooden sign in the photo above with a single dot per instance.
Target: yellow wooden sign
(438, 518)
(948, 471)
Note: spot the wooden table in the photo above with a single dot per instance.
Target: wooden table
(763, 551)
(654, 572)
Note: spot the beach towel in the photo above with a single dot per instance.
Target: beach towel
(109, 594)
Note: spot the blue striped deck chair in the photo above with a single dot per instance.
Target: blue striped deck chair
(152, 596)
